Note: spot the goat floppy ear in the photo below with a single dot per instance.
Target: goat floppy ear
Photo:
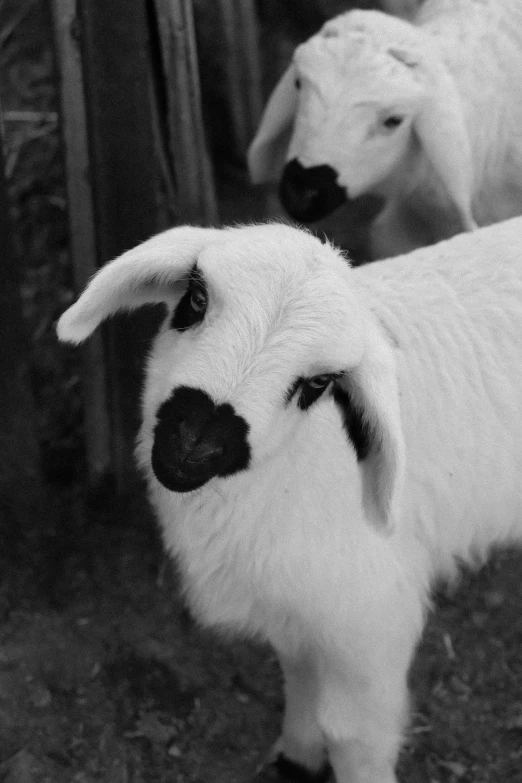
(145, 274)
(370, 398)
(266, 154)
(441, 128)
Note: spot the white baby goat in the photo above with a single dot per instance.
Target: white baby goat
(321, 443)
(426, 116)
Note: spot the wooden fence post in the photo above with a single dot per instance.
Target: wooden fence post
(21, 483)
(242, 69)
(134, 132)
(196, 199)
(82, 234)
(114, 41)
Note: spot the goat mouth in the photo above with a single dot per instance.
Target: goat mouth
(177, 481)
(181, 471)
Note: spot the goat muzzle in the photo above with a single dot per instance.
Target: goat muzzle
(196, 440)
(309, 194)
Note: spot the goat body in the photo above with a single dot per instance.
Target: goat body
(347, 436)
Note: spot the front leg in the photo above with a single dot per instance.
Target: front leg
(300, 754)
(362, 716)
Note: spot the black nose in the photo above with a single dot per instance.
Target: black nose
(310, 194)
(196, 440)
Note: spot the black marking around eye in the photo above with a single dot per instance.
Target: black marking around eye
(357, 429)
(184, 315)
(307, 394)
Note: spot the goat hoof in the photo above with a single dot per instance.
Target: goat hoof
(288, 771)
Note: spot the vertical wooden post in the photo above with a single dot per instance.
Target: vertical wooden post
(242, 68)
(21, 484)
(82, 241)
(196, 200)
(114, 40)
(133, 124)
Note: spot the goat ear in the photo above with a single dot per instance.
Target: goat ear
(267, 152)
(147, 273)
(373, 422)
(441, 128)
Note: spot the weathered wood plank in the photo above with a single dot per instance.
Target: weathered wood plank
(82, 238)
(243, 70)
(21, 483)
(114, 40)
(196, 200)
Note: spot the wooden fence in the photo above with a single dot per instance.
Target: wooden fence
(137, 161)
(20, 483)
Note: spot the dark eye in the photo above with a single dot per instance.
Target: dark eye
(198, 299)
(393, 121)
(297, 84)
(311, 389)
(319, 381)
(192, 306)
(308, 390)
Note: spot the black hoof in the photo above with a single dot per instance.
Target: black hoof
(289, 771)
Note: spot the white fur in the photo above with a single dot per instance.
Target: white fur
(453, 74)
(329, 559)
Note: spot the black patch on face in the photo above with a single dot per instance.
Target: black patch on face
(196, 440)
(186, 315)
(310, 193)
(356, 428)
(289, 771)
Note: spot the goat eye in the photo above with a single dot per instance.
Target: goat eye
(311, 390)
(393, 121)
(198, 300)
(319, 382)
(297, 84)
(191, 308)
(308, 390)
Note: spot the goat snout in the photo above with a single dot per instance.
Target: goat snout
(196, 440)
(310, 194)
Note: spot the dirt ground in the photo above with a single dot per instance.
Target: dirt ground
(105, 677)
